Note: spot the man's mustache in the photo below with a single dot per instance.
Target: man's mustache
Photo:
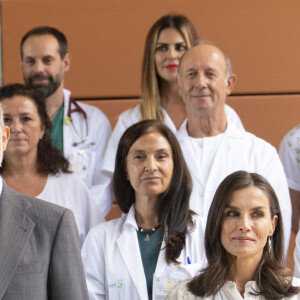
(40, 77)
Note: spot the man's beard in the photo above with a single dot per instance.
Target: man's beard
(43, 90)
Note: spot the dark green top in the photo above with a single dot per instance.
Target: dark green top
(56, 134)
(149, 252)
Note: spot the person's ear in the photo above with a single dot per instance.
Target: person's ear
(274, 223)
(5, 137)
(42, 131)
(67, 62)
(230, 82)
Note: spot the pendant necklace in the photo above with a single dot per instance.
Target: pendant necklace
(148, 232)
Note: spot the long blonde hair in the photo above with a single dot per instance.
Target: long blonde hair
(150, 106)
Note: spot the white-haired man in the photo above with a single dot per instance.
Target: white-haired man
(214, 147)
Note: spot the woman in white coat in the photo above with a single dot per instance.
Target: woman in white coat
(166, 42)
(33, 166)
(158, 240)
(244, 246)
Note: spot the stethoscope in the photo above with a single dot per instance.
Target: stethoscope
(68, 120)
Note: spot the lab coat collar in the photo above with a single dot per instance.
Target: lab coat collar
(130, 220)
(230, 131)
(130, 250)
(134, 264)
(67, 95)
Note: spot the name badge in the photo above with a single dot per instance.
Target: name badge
(79, 162)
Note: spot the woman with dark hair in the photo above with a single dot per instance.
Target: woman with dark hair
(158, 240)
(244, 245)
(33, 166)
(166, 42)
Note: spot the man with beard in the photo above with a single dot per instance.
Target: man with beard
(80, 131)
(39, 246)
(213, 146)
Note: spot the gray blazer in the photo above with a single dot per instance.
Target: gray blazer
(39, 250)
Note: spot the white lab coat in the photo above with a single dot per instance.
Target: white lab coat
(289, 153)
(126, 119)
(113, 263)
(99, 131)
(237, 150)
(69, 191)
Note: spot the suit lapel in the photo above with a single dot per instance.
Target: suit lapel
(15, 231)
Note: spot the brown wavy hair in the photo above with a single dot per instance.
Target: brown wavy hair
(150, 105)
(49, 158)
(274, 281)
(172, 206)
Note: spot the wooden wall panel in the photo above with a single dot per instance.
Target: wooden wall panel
(106, 40)
(268, 117)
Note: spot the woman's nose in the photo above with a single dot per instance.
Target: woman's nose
(151, 165)
(15, 126)
(245, 224)
(172, 52)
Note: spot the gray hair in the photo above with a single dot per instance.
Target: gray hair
(206, 42)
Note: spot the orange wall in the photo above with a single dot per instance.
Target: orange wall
(106, 41)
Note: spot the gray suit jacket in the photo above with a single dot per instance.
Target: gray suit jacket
(39, 250)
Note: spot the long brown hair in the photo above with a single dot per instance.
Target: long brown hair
(172, 206)
(150, 106)
(273, 280)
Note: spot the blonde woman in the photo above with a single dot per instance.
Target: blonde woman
(166, 42)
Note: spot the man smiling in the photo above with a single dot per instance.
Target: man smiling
(79, 130)
(213, 146)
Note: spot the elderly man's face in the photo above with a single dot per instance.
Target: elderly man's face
(203, 85)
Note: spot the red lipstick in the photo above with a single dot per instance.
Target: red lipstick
(172, 67)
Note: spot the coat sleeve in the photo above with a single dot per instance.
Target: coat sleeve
(99, 191)
(87, 212)
(94, 266)
(106, 168)
(66, 275)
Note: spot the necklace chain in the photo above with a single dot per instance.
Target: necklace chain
(148, 232)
